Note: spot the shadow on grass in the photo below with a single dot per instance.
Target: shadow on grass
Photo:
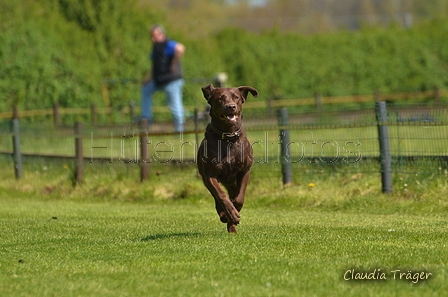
(169, 235)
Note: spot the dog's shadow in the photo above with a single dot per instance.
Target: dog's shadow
(160, 236)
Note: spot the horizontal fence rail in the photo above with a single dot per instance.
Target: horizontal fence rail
(318, 101)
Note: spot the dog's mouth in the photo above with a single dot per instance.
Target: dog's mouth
(230, 117)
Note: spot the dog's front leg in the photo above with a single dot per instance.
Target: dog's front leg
(242, 182)
(220, 196)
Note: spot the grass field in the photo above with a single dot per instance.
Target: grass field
(114, 236)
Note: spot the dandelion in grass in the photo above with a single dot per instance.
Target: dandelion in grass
(311, 186)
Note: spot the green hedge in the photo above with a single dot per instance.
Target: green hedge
(291, 65)
(62, 50)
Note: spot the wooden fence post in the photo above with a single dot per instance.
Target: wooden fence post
(93, 114)
(383, 137)
(56, 114)
(144, 150)
(437, 95)
(17, 155)
(79, 158)
(285, 156)
(318, 100)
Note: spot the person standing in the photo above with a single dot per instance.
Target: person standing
(166, 75)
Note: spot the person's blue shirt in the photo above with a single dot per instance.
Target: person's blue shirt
(169, 49)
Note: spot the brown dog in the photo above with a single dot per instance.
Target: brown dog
(225, 154)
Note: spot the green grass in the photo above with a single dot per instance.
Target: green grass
(113, 249)
(114, 236)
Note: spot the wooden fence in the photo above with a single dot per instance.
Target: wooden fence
(282, 125)
(318, 102)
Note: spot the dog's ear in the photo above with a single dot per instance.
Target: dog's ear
(244, 90)
(208, 91)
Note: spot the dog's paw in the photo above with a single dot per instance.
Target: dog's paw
(231, 228)
(234, 216)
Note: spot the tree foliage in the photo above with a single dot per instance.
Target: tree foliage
(63, 50)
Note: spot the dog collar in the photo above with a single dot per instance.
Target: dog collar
(225, 135)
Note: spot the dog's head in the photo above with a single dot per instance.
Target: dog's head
(226, 103)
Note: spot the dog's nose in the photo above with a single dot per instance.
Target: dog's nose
(231, 106)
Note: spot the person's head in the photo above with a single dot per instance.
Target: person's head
(157, 33)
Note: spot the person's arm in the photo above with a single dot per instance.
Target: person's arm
(179, 50)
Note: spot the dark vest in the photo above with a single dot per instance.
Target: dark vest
(161, 65)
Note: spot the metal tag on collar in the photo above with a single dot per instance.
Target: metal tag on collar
(230, 135)
(225, 135)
